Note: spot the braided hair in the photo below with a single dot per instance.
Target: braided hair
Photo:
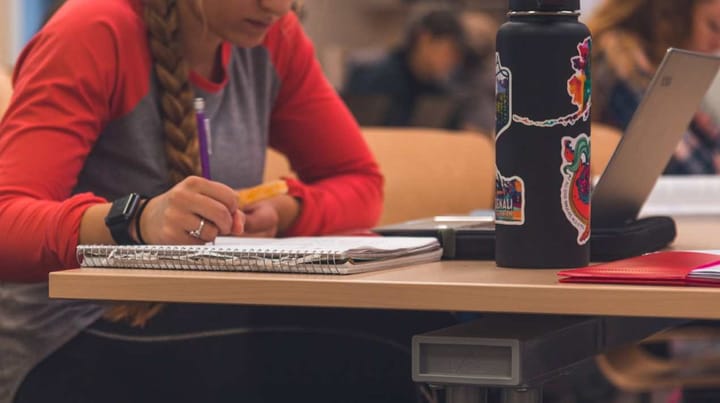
(176, 95)
(178, 116)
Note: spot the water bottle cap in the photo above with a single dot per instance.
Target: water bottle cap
(544, 5)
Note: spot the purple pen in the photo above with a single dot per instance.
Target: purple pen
(203, 128)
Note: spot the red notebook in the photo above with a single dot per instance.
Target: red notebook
(660, 268)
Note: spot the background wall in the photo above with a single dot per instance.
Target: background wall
(334, 25)
(588, 6)
(8, 29)
(19, 19)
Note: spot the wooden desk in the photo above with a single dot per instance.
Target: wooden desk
(449, 285)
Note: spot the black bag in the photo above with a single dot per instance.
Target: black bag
(473, 240)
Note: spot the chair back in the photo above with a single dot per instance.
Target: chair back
(437, 172)
(433, 172)
(603, 142)
(427, 172)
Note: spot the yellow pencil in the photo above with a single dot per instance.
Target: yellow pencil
(262, 191)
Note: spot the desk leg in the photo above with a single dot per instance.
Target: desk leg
(465, 394)
(525, 395)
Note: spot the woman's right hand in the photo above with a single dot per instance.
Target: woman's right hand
(171, 217)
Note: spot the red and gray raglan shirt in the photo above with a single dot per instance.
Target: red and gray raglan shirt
(84, 128)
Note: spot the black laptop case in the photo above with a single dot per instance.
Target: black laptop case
(475, 239)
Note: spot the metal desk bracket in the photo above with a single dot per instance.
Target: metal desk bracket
(518, 353)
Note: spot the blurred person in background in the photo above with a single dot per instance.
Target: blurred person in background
(434, 48)
(630, 40)
(474, 82)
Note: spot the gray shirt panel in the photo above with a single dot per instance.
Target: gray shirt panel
(129, 156)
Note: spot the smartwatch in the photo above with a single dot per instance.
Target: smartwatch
(120, 216)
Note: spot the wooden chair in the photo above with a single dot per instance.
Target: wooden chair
(276, 166)
(603, 141)
(433, 172)
(427, 171)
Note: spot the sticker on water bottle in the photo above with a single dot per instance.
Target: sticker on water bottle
(503, 97)
(575, 190)
(579, 88)
(509, 200)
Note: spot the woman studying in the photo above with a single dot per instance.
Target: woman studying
(630, 39)
(100, 145)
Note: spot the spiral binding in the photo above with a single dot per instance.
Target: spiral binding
(212, 258)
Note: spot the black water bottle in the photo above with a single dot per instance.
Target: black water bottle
(542, 204)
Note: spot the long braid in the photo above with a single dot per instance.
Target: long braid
(179, 124)
(176, 95)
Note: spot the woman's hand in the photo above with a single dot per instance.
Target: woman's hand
(261, 220)
(268, 218)
(171, 217)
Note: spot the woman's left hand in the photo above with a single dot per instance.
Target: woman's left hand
(261, 220)
(271, 217)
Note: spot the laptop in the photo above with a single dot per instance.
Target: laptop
(646, 147)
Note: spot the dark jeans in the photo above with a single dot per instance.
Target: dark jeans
(211, 353)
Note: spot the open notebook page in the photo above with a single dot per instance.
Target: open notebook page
(357, 247)
(712, 271)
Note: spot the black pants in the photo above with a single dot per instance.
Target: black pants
(211, 353)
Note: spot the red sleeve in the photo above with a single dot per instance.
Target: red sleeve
(63, 94)
(340, 184)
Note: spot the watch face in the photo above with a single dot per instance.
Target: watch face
(120, 216)
(123, 209)
(127, 207)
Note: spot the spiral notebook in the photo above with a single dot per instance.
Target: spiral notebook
(319, 255)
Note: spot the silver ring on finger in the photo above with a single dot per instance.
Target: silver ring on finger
(196, 232)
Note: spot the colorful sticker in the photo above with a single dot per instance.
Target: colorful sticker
(579, 88)
(509, 200)
(575, 190)
(503, 97)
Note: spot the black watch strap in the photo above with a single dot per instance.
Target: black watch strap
(120, 217)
